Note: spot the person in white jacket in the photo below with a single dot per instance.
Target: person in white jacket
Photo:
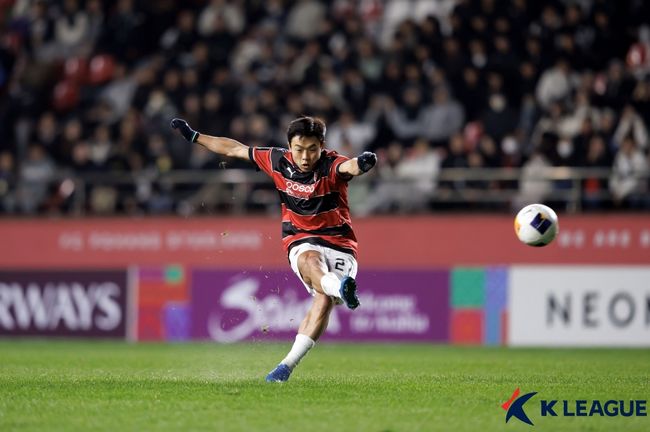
(628, 182)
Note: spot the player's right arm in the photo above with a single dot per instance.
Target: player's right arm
(221, 145)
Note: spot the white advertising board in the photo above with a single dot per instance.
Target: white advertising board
(579, 306)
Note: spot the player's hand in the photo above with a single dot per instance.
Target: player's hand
(188, 133)
(366, 161)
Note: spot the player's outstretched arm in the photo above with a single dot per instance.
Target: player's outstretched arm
(224, 146)
(359, 165)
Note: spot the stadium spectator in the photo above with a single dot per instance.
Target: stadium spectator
(406, 181)
(631, 124)
(442, 118)
(499, 118)
(594, 189)
(305, 18)
(533, 187)
(35, 174)
(220, 11)
(405, 119)
(627, 187)
(555, 84)
(121, 34)
(388, 189)
(96, 19)
(456, 158)
(349, 136)
(72, 29)
(471, 93)
(7, 182)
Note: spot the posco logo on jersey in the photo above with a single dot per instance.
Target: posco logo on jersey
(514, 407)
(299, 187)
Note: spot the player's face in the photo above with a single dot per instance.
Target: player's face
(305, 152)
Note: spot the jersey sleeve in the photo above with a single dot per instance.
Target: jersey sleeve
(262, 158)
(336, 175)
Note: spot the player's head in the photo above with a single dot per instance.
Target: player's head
(306, 139)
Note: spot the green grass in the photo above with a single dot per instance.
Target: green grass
(68, 386)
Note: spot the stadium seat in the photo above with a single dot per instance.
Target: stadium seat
(102, 68)
(66, 95)
(76, 69)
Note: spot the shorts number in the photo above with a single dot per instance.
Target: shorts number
(339, 264)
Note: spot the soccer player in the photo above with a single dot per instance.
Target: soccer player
(316, 227)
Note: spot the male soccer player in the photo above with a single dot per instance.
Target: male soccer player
(316, 227)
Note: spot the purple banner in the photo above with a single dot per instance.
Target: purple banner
(63, 303)
(229, 306)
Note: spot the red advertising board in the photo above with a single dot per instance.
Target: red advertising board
(392, 242)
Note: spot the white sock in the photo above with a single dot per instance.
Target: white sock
(301, 346)
(331, 284)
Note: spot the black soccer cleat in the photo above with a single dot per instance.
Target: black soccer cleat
(348, 292)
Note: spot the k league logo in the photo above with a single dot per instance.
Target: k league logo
(514, 407)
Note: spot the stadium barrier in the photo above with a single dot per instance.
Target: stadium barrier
(239, 191)
(443, 279)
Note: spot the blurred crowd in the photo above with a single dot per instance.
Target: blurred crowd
(87, 88)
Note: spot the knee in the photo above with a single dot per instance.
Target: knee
(308, 263)
(309, 259)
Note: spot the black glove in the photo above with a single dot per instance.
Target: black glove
(188, 133)
(366, 161)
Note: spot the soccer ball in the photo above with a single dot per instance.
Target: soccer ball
(536, 225)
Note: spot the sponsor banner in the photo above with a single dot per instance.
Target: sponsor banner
(229, 306)
(63, 303)
(415, 242)
(579, 306)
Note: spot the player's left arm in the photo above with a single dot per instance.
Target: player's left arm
(358, 165)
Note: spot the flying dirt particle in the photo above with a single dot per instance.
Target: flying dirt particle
(253, 298)
(222, 165)
(265, 329)
(225, 233)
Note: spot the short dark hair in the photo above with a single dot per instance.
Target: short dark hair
(307, 127)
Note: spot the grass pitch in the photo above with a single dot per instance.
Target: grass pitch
(81, 386)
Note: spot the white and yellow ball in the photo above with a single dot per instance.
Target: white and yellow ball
(536, 225)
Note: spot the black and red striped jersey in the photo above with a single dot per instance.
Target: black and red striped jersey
(314, 204)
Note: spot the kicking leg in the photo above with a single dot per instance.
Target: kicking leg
(313, 271)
